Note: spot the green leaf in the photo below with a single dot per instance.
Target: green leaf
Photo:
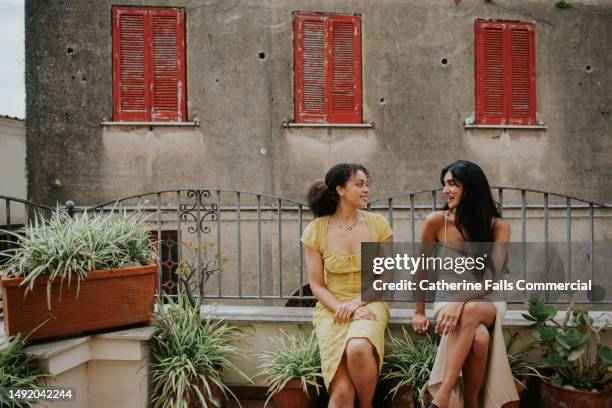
(575, 354)
(605, 353)
(553, 360)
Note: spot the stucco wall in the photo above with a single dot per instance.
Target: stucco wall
(13, 179)
(417, 104)
(12, 157)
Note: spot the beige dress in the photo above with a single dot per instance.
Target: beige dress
(343, 280)
(499, 385)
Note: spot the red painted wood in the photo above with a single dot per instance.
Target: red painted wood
(310, 67)
(168, 65)
(505, 73)
(345, 73)
(327, 68)
(149, 64)
(130, 91)
(522, 96)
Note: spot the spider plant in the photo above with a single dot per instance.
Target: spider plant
(519, 362)
(189, 354)
(18, 370)
(294, 357)
(409, 363)
(67, 248)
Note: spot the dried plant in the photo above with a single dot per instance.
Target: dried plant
(195, 271)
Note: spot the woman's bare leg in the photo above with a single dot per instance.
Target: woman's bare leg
(363, 369)
(459, 344)
(342, 390)
(475, 365)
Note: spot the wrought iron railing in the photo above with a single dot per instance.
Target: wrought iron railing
(258, 234)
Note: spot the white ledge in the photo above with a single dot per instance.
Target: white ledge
(330, 125)
(303, 315)
(535, 127)
(195, 123)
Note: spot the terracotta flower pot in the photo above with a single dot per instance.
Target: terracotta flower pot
(559, 397)
(293, 396)
(520, 388)
(427, 399)
(107, 298)
(404, 398)
(216, 394)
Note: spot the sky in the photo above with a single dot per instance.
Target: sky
(12, 58)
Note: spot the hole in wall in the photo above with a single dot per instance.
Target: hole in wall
(69, 50)
(444, 61)
(84, 79)
(262, 55)
(588, 68)
(381, 100)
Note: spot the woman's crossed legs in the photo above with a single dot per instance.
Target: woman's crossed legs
(467, 349)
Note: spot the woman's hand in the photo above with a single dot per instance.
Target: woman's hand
(420, 323)
(344, 311)
(364, 313)
(448, 318)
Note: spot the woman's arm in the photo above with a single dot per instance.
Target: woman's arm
(429, 234)
(451, 313)
(316, 277)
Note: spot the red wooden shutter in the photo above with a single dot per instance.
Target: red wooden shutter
(345, 73)
(131, 92)
(522, 97)
(168, 65)
(505, 73)
(149, 64)
(490, 89)
(327, 68)
(310, 64)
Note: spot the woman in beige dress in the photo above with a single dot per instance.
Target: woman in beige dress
(350, 331)
(472, 344)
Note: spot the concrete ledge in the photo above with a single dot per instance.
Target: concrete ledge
(303, 315)
(62, 355)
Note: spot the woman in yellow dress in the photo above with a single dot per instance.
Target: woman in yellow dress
(350, 332)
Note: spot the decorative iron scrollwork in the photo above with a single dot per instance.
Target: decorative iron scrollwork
(199, 211)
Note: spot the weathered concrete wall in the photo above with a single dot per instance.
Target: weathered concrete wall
(12, 157)
(417, 104)
(13, 178)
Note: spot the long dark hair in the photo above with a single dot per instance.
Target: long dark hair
(322, 196)
(476, 208)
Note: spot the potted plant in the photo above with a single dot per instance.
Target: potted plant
(574, 371)
(406, 367)
(292, 370)
(522, 368)
(69, 275)
(18, 370)
(189, 354)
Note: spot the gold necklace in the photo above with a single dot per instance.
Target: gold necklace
(349, 227)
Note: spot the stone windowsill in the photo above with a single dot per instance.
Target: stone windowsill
(107, 123)
(503, 127)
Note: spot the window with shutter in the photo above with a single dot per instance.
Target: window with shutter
(505, 73)
(327, 75)
(149, 80)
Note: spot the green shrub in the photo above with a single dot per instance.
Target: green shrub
(17, 370)
(67, 248)
(568, 358)
(409, 363)
(294, 357)
(188, 354)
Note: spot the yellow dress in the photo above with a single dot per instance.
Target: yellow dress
(343, 280)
